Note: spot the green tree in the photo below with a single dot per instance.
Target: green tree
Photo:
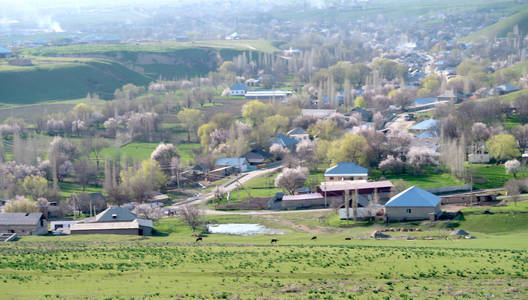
(35, 186)
(21, 204)
(502, 147)
(326, 130)
(276, 123)
(350, 148)
(204, 132)
(191, 119)
(255, 112)
(360, 102)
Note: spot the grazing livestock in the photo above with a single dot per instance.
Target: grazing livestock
(348, 239)
(274, 241)
(198, 239)
(314, 238)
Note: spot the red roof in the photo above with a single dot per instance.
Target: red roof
(331, 186)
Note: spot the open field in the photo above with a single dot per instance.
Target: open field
(171, 265)
(141, 151)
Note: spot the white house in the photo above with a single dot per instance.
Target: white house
(238, 89)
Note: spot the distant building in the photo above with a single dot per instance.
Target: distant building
(426, 125)
(366, 191)
(506, 88)
(238, 89)
(299, 134)
(284, 141)
(257, 157)
(346, 171)
(449, 95)
(114, 220)
(23, 223)
(5, 53)
(239, 164)
(318, 113)
(310, 200)
(413, 204)
(267, 95)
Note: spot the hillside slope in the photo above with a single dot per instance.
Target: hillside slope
(64, 80)
(501, 28)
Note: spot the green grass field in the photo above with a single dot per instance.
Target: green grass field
(172, 265)
(493, 176)
(427, 180)
(501, 28)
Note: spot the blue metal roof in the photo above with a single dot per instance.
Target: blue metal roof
(414, 197)
(425, 125)
(508, 88)
(238, 87)
(4, 50)
(284, 141)
(429, 134)
(423, 101)
(346, 168)
(231, 161)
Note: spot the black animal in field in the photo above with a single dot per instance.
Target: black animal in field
(198, 239)
(274, 241)
(314, 237)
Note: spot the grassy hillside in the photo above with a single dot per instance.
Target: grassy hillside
(64, 79)
(501, 28)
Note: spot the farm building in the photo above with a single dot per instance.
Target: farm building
(311, 200)
(267, 95)
(366, 191)
(238, 89)
(449, 95)
(23, 223)
(504, 89)
(257, 157)
(114, 220)
(413, 204)
(346, 171)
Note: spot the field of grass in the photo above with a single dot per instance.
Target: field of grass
(501, 28)
(64, 79)
(495, 175)
(427, 180)
(70, 188)
(171, 265)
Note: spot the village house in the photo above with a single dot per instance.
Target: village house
(23, 223)
(284, 141)
(238, 89)
(504, 89)
(318, 113)
(346, 171)
(339, 191)
(237, 164)
(114, 220)
(5, 53)
(449, 96)
(299, 134)
(309, 200)
(413, 204)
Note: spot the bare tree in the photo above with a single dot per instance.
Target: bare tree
(146, 211)
(192, 216)
(43, 204)
(291, 179)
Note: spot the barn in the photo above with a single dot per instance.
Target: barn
(114, 220)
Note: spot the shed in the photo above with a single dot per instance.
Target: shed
(23, 223)
(310, 200)
(413, 204)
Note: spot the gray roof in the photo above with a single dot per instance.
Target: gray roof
(236, 162)
(20, 218)
(414, 197)
(122, 214)
(239, 87)
(297, 131)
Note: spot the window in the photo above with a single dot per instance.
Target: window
(409, 210)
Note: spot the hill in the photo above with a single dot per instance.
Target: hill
(501, 28)
(61, 79)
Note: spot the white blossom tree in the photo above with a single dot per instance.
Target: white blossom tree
(292, 179)
(512, 167)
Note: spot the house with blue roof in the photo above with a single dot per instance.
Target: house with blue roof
(425, 101)
(425, 125)
(5, 53)
(346, 171)
(284, 141)
(506, 88)
(413, 204)
(239, 164)
(238, 89)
